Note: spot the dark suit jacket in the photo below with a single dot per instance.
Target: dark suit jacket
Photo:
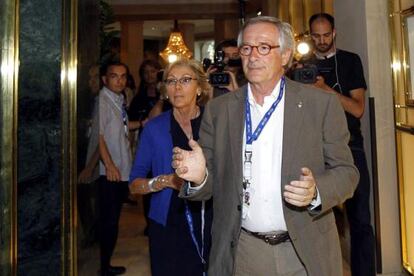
(316, 136)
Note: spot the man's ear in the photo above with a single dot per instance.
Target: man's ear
(103, 79)
(334, 34)
(286, 56)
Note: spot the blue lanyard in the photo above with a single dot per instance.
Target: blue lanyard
(250, 138)
(123, 112)
(193, 237)
(125, 119)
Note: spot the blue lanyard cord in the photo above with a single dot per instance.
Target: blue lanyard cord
(191, 228)
(125, 119)
(250, 138)
(123, 113)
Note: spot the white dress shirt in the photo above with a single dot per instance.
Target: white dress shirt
(265, 212)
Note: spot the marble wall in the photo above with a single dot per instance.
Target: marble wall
(39, 138)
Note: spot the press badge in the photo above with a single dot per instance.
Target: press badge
(248, 193)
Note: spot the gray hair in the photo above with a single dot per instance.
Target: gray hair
(286, 38)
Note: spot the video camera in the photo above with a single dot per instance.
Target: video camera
(305, 74)
(217, 78)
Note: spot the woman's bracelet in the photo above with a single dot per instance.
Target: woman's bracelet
(151, 183)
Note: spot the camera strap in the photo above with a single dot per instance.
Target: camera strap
(248, 191)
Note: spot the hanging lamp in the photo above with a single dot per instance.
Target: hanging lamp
(176, 48)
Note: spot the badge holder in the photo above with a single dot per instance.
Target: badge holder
(248, 191)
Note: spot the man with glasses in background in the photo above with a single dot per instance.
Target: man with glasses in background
(275, 159)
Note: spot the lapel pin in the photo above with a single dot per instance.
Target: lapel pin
(300, 104)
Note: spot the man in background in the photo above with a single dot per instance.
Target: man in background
(342, 74)
(232, 66)
(116, 160)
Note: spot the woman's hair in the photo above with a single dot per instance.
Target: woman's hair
(286, 37)
(148, 62)
(202, 79)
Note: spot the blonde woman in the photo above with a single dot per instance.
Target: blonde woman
(179, 231)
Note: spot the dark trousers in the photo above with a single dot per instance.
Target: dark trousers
(88, 209)
(358, 212)
(111, 196)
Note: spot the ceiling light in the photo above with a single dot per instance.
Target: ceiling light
(176, 48)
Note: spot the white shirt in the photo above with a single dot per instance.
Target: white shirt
(111, 126)
(265, 212)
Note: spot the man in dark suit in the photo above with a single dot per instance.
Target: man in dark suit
(275, 161)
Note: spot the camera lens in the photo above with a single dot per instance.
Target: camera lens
(307, 74)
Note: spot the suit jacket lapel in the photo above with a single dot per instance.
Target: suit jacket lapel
(236, 115)
(293, 119)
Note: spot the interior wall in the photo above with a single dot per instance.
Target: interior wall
(86, 103)
(358, 35)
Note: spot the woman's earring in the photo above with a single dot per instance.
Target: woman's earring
(199, 92)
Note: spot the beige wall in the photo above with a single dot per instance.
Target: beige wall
(368, 34)
(132, 46)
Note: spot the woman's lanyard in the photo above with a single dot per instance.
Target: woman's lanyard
(192, 232)
(250, 138)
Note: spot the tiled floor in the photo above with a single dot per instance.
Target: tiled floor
(132, 247)
(131, 250)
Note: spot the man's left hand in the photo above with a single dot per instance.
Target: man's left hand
(301, 192)
(320, 83)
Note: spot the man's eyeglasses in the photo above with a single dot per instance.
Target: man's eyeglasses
(184, 81)
(262, 49)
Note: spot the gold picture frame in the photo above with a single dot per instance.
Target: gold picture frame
(407, 23)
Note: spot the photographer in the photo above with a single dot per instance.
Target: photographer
(341, 72)
(226, 73)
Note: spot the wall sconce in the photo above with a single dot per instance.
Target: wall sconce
(176, 48)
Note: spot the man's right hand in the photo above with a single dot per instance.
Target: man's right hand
(112, 173)
(190, 165)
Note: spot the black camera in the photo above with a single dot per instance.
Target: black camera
(217, 78)
(306, 74)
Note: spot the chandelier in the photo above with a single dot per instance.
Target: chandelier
(176, 48)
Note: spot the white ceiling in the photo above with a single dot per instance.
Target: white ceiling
(162, 28)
